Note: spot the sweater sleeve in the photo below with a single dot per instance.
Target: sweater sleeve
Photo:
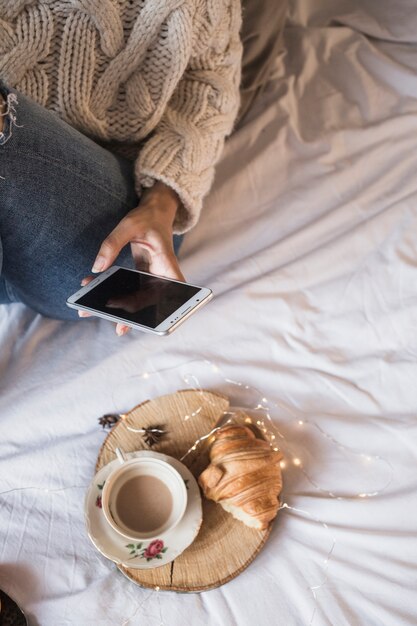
(189, 139)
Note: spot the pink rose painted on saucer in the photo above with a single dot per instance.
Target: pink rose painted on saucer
(154, 550)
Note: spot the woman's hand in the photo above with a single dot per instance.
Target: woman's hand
(148, 229)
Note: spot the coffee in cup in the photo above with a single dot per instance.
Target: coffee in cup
(144, 498)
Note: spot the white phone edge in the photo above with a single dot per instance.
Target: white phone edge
(167, 326)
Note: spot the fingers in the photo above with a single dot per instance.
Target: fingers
(121, 329)
(112, 245)
(149, 231)
(85, 281)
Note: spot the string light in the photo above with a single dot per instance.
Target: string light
(273, 412)
(198, 441)
(269, 429)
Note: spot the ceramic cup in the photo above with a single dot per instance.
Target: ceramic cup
(129, 508)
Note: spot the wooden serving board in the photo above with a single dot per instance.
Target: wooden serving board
(224, 546)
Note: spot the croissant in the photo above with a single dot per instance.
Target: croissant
(244, 476)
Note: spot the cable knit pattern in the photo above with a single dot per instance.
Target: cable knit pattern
(154, 80)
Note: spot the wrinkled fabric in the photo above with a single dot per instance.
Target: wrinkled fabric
(309, 242)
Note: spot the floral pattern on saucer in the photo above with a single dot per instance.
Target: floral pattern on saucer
(154, 550)
(144, 554)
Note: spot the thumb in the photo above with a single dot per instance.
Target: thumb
(111, 246)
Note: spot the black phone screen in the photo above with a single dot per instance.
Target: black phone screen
(141, 298)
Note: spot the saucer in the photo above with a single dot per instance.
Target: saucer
(143, 554)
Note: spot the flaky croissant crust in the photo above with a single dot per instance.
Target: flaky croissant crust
(244, 472)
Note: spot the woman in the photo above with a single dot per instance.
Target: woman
(114, 115)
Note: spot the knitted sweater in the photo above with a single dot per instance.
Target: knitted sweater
(158, 79)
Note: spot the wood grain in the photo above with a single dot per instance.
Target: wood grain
(224, 546)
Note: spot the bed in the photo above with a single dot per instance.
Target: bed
(309, 242)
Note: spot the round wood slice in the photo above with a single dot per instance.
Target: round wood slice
(224, 546)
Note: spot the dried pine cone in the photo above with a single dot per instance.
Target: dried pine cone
(109, 420)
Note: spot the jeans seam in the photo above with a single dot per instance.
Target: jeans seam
(61, 164)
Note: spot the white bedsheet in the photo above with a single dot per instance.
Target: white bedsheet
(309, 241)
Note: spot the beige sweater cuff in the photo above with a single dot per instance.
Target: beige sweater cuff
(188, 212)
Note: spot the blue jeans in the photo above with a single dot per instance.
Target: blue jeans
(61, 194)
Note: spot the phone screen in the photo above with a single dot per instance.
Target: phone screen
(141, 298)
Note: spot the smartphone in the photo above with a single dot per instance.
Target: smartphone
(141, 300)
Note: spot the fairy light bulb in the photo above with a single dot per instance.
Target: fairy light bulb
(265, 408)
(274, 413)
